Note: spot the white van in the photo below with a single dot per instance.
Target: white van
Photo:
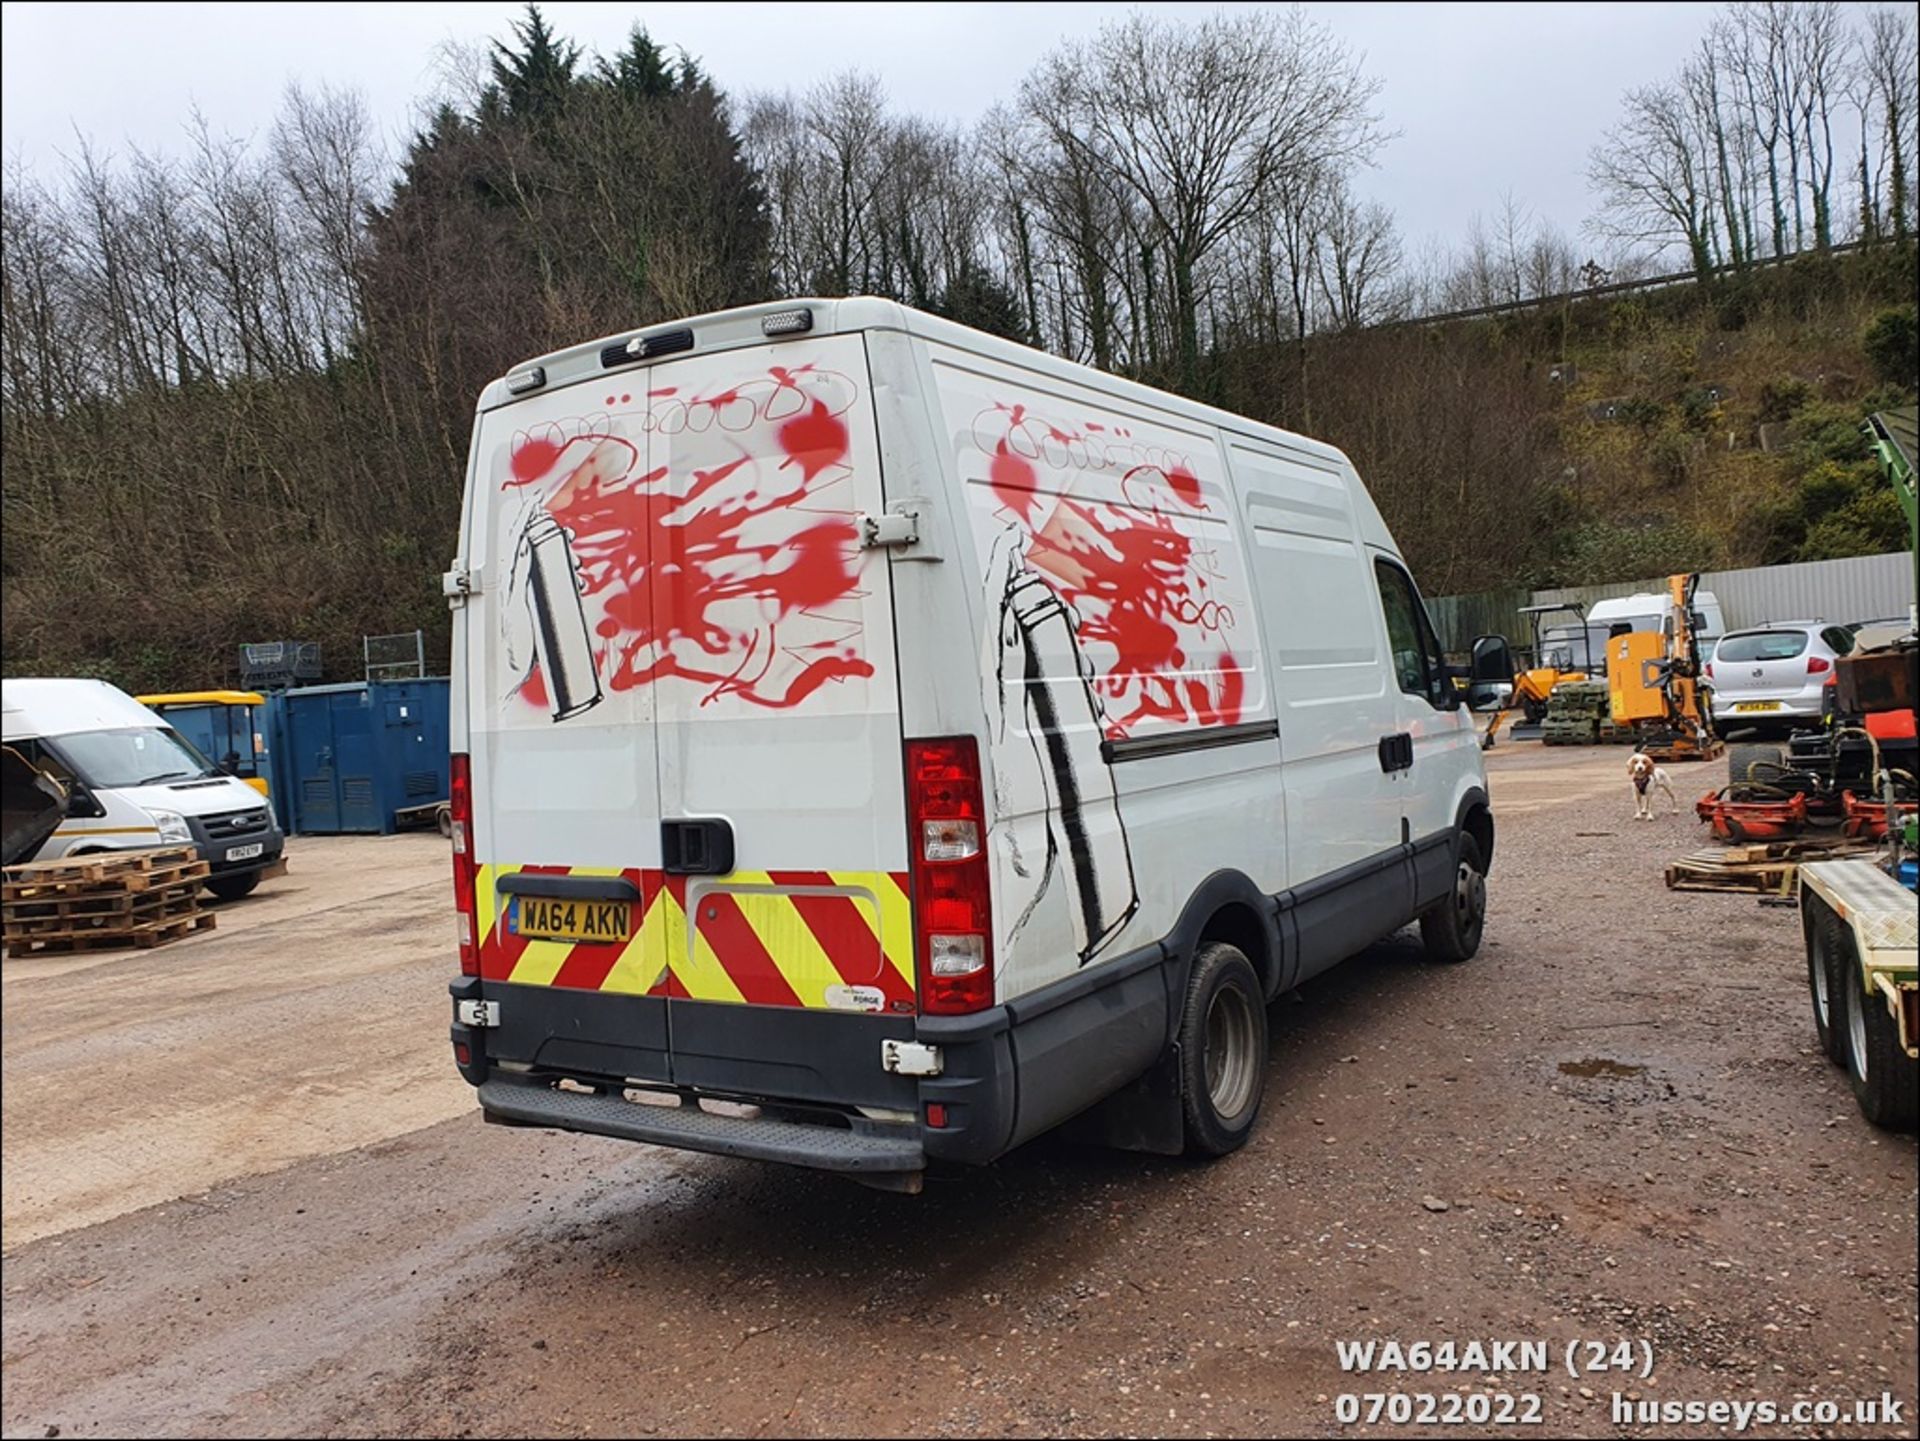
(923, 739)
(1566, 647)
(133, 783)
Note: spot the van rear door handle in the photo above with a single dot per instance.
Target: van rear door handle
(696, 846)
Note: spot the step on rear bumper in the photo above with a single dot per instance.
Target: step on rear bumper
(689, 1128)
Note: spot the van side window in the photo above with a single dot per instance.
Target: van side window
(1418, 664)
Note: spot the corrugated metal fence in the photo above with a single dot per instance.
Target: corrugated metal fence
(1865, 587)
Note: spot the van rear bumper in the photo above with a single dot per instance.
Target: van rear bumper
(863, 1148)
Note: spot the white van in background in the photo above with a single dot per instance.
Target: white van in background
(1565, 646)
(133, 783)
(923, 739)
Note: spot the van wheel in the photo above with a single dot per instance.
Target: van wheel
(1886, 1080)
(1451, 930)
(1826, 980)
(1223, 1051)
(232, 888)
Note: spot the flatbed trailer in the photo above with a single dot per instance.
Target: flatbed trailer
(436, 813)
(1863, 972)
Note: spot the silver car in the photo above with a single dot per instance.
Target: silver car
(1774, 675)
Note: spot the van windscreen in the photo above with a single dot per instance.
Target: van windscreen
(142, 756)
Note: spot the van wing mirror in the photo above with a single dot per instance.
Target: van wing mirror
(1490, 659)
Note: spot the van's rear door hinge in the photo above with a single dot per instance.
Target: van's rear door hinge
(898, 529)
(478, 1014)
(459, 583)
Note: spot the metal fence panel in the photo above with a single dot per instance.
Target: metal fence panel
(1459, 618)
(1861, 587)
(1865, 587)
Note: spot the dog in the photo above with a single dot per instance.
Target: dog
(1648, 777)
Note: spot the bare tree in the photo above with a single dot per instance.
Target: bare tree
(1359, 260)
(326, 154)
(1199, 122)
(1763, 60)
(1821, 53)
(1891, 67)
(1703, 80)
(1649, 171)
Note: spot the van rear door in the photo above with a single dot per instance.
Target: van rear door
(566, 788)
(687, 758)
(770, 659)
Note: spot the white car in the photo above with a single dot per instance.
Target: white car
(922, 739)
(1774, 676)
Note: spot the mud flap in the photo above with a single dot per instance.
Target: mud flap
(1143, 1115)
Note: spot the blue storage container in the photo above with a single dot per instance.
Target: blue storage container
(347, 758)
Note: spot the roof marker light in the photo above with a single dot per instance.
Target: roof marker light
(532, 378)
(787, 322)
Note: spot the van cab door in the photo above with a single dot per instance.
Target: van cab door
(769, 658)
(1436, 748)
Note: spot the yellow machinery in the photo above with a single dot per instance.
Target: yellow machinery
(1655, 686)
(1553, 667)
(224, 725)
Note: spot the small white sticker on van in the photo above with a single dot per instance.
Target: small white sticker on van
(855, 998)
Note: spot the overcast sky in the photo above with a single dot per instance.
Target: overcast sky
(1486, 97)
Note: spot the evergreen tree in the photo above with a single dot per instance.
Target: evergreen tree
(641, 71)
(974, 297)
(533, 82)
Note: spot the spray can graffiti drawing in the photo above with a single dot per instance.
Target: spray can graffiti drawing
(1064, 719)
(562, 643)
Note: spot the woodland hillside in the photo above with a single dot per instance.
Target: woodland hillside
(238, 385)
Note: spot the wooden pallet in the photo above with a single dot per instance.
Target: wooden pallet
(100, 864)
(110, 901)
(1771, 868)
(57, 918)
(144, 937)
(101, 874)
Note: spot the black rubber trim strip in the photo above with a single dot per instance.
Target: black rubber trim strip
(1143, 748)
(956, 1030)
(1345, 876)
(569, 888)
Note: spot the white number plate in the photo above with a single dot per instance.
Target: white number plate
(245, 853)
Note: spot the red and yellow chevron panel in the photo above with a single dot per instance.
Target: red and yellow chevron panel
(829, 940)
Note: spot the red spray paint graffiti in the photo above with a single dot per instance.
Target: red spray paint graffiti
(733, 565)
(1134, 567)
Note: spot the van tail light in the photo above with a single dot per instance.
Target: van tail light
(952, 904)
(1818, 663)
(1709, 670)
(460, 804)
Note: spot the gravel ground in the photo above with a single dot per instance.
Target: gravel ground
(1612, 1124)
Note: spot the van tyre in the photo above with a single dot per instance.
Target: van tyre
(1826, 979)
(1451, 930)
(1223, 1051)
(1886, 1080)
(233, 888)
